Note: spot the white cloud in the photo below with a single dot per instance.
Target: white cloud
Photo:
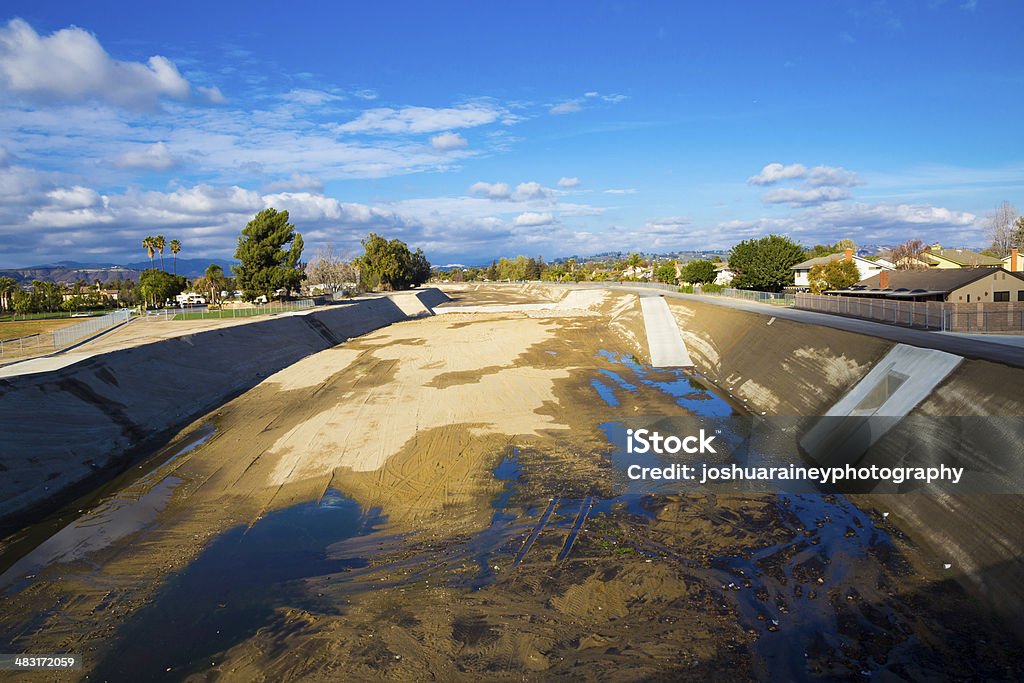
(70, 65)
(668, 224)
(616, 190)
(297, 182)
(804, 197)
(524, 192)
(448, 141)
(568, 182)
(155, 157)
(422, 119)
(533, 219)
(490, 190)
(76, 197)
(5, 158)
(592, 93)
(615, 99)
(570, 107)
(773, 173)
(213, 95)
(835, 176)
(311, 97)
(531, 191)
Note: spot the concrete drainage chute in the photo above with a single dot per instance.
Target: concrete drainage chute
(894, 387)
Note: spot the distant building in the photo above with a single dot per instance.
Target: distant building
(956, 285)
(723, 275)
(866, 268)
(938, 257)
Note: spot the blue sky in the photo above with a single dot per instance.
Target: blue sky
(475, 130)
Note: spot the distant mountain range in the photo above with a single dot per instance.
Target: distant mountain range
(72, 271)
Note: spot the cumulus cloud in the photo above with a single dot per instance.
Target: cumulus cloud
(836, 176)
(568, 182)
(70, 65)
(804, 197)
(531, 191)
(155, 157)
(523, 192)
(775, 172)
(422, 119)
(490, 190)
(532, 219)
(448, 141)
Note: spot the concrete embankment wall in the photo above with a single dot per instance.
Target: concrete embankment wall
(773, 366)
(788, 368)
(68, 430)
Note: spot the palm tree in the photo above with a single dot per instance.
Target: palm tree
(7, 285)
(159, 242)
(150, 247)
(175, 248)
(214, 281)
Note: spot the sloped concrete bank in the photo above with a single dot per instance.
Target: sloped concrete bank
(778, 367)
(66, 431)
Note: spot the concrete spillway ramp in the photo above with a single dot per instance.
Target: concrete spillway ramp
(876, 404)
(410, 304)
(663, 339)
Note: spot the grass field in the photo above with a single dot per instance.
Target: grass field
(22, 328)
(21, 317)
(236, 312)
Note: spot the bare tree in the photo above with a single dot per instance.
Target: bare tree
(328, 272)
(1000, 228)
(909, 255)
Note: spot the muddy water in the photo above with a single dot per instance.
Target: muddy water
(234, 586)
(566, 577)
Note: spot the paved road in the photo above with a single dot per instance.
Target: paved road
(967, 346)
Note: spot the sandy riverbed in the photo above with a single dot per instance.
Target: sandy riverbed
(472, 531)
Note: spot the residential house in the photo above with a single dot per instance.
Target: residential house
(1013, 262)
(938, 257)
(956, 285)
(866, 268)
(723, 275)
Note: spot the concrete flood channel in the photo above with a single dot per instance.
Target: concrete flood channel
(769, 586)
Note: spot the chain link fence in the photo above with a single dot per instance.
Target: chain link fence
(927, 315)
(204, 313)
(48, 342)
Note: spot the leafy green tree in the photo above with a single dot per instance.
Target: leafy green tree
(420, 268)
(21, 301)
(666, 273)
(158, 286)
(765, 263)
(390, 265)
(492, 271)
(699, 272)
(838, 274)
(268, 252)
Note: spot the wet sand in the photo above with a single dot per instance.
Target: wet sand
(434, 499)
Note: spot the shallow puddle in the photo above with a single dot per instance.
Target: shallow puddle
(234, 586)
